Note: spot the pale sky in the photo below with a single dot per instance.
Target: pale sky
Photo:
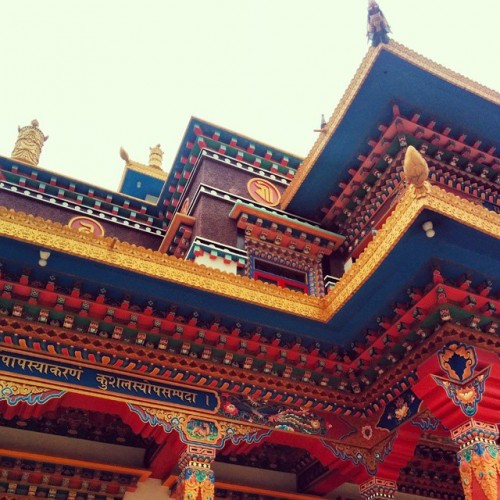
(100, 74)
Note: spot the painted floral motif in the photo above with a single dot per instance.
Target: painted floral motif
(196, 482)
(230, 409)
(468, 395)
(458, 361)
(280, 417)
(399, 411)
(402, 410)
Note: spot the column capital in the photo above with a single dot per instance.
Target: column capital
(478, 458)
(197, 456)
(474, 431)
(378, 488)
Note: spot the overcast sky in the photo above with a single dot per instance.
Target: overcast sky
(100, 74)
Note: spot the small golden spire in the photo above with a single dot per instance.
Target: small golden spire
(416, 171)
(29, 144)
(155, 157)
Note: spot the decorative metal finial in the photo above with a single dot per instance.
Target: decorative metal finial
(155, 156)
(378, 27)
(322, 125)
(29, 144)
(416, 171)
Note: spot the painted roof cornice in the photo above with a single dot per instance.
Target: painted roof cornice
(354, 87)
(146, 262)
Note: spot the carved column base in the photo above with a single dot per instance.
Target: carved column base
(197, 480)
(478, 459)
(378, 488)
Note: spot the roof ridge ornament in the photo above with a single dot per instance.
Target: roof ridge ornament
(416, 172)
(322, 125)
(155, 156)
(29, 144)
(378, 27)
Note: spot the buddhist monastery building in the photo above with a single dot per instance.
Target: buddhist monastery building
(249, 324)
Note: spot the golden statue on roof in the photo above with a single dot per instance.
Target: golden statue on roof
(29, 144)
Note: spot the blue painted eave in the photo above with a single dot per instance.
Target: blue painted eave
(393, 80)
(458, 248)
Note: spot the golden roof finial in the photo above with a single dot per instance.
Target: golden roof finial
(416, 171)
(29, 144)
(155, 156)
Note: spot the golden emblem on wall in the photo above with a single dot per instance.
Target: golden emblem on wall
(263, 191)
(86, 225)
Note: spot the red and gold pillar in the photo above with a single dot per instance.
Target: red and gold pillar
(478, 459)
(196, 480)
(460, 385)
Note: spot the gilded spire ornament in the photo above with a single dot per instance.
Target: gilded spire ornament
(155, 156)
(152, 168)
(29, 144)
(378, 27)
(416, 172)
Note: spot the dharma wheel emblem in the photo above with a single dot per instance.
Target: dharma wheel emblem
(263, 191)
(86, 225)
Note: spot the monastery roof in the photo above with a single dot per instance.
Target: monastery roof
(389, 75)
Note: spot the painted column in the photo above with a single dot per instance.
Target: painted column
(478, 459)
(378, 488)
(196, 480)
(460, 386)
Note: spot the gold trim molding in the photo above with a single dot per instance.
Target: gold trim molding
(122, 255)
(334, 121)
(147, 170)
(140, 168)
(108, 251)
(407, 210)
(12, 388)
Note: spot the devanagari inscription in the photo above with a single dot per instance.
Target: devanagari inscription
(42, 367)
(110, 382)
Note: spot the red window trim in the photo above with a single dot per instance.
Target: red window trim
(280, 281)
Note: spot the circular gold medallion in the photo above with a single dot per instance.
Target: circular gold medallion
(86, 225)
(263, 191)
